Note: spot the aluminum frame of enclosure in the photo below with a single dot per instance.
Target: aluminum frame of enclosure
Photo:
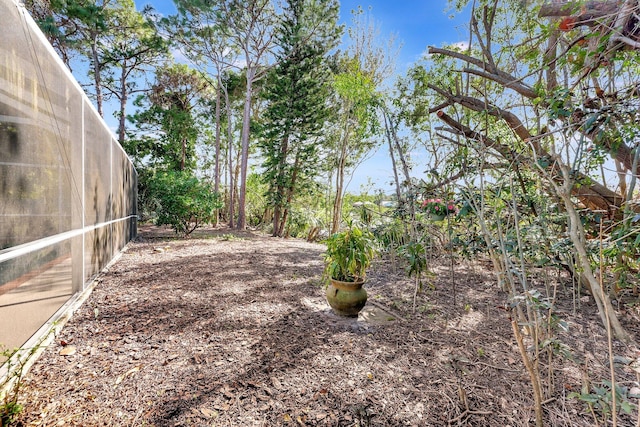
(67, 188)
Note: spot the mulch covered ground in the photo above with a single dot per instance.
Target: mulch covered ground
(232, 329)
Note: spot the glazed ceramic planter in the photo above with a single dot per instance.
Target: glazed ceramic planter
(346, 298)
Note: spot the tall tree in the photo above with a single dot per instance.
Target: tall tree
(355, 95)
(360, 72)
(167, 122)
(77, 28)
(296, 92)
(233, 88)
(199, 33)
(250, 24)
(247, 25)
(396, 148)
(134, 47)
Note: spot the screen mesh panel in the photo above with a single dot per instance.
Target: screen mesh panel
(67, 189)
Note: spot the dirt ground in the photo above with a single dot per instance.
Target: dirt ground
(232, 329)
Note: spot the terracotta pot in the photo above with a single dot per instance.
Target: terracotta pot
(346, 298)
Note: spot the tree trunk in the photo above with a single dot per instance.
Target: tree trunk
(123, 104)
(232, 200)
(290, 192)
(342, 161)
(393, 160)
(97, 78)
(617, 149)
(216, 160)
(595, 196)
(337, 203)
(283, 223)
(605, 308)
(276, 221)
(405, 166)
(230, 160)
(403, 162)
(279, 213)
(216, 164)
(550, 58)
(244, 158)
(236, 180)
(586, 11)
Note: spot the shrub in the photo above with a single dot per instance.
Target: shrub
(183, 201)
(438, 206)
(349, 253)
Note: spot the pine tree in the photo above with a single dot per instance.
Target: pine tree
(296, 93)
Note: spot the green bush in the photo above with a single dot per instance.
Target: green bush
(182, 201)
(349, 253)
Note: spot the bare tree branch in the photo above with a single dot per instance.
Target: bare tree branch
(510, 83)
(587, 11)
(478, 105)
(487, 71)
(595, 195)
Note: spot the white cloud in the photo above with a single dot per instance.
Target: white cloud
(179, 56)
(463, 46)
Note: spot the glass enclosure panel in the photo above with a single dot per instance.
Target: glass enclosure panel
(97, 174)
(98, 247)
(120, 233)
(118, 181)
(38, 109)
(32, 288)
(78, 278)
(65, 183)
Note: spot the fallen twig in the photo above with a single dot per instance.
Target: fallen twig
(467, 413)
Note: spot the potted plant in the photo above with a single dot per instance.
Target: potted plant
(438, 209)
(349, 253)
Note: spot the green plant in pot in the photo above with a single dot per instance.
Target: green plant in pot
(349, 253)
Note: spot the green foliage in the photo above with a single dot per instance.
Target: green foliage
(183, 202)
(167, 122)
(256, 202)
(622, 251)
(9, 409)
(392, 234)
(361, 208)
(357, 92)
(146, 200)
(366, 214)
(559, 103)
(70, 25)
(301, 220)
(9, 406)
(355, 86)
(349, 253)
(468, 242)
(296, 92)
(600, 398)
(133, 48)
(415, 255)
(557, 347)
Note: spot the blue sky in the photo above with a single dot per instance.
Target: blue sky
(416, 25)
